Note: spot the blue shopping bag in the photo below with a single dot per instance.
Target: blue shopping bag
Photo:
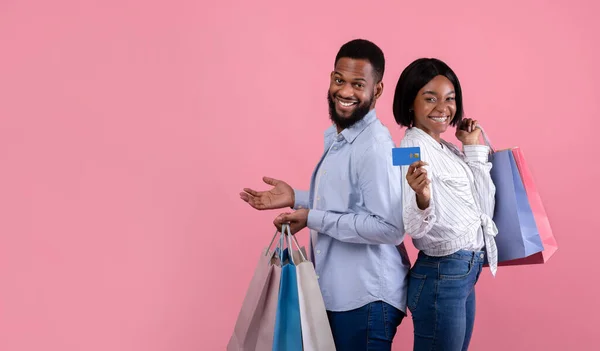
(288, 329)
(518, 235)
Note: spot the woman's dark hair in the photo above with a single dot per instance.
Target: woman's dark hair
(413, 78)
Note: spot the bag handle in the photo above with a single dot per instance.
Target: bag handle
(486, 139)
(285, 230)
(272, 240)
(297, 244)
(278, 248)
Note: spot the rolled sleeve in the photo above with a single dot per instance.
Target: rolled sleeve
(418, 222)
(476, 153)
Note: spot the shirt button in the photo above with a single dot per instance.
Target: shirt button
(318, 198)
(318, 251)
(317, 277)
(299, 207)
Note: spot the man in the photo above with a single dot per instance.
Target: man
(353, 208)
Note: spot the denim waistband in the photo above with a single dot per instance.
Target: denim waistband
(465, 255)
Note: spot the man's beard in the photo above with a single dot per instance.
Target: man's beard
(346, 122)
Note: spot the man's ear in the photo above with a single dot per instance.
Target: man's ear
(378, 89)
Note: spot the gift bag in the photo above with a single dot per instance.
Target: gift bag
(256, 321)
(288, 329)
(524, 233)
(266, 330)
(316, 332)
(539, 214)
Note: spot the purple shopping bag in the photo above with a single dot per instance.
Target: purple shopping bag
(539, 213)
(518, 235)
(524, 233)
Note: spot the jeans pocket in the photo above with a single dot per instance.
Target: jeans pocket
(479, 269)
(415, 288)
(451, 268)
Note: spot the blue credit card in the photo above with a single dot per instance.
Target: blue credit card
(405, 156)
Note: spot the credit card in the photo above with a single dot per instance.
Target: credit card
(405, 156)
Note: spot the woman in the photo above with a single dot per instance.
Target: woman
(448, 200)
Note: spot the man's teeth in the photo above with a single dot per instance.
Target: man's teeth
(346, 104)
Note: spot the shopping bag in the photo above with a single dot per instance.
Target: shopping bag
(519, 213)
(254, 328)
(288, 328)
(316, 332)
(539, 213)
(518, 236)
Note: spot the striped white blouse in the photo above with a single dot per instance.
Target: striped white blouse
(459, 216)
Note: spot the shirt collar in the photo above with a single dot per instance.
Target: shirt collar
(351, 133)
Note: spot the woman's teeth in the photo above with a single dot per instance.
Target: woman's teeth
(439, 119)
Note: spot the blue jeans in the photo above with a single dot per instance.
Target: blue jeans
(441, 299)
(368, 328)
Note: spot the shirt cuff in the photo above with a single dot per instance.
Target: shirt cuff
(315, 220)
(477, 153)
(423, 214)
(300, 199)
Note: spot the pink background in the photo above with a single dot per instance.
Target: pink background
(127, 129)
